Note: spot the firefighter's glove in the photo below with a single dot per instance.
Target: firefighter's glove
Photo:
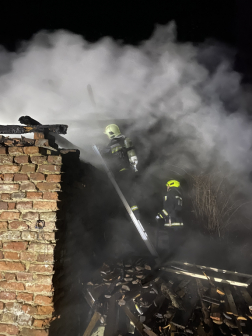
(159, 218)
(134, 161)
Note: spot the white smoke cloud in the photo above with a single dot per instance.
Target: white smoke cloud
(189, 90)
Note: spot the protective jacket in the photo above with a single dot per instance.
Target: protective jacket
(172, 207)
(123, 155)
(122, 160)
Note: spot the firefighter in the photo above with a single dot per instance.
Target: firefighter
(123, 162)
(172, 206)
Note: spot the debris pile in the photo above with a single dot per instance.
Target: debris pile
(134, 296)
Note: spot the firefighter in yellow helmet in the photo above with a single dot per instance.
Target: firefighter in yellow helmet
(121, 147)
(170, 215)
(123, 161)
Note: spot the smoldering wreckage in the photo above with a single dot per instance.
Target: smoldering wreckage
(148, 295)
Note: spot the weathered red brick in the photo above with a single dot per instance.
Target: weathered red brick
(7, 296)
(48, 169)
(21, 159)
(29, 309)
(8, 329)
(39, 159)
(55, 159)
(53, 178)
(49, 226)
(48, 186)
(15, 246)
(9, 215)
(15, 150)
(34, 195)
(49, 236)
(29, 256)
(11, 266)
(41, 268)
(38, 287)
(28, 168)
(18, 225)
(18, 195)
(37, 177)
(6, 197)
(12, 285)
(11, 255)
(6, 159)
(2, 150)
(41, 278)
(3, 206)
(9, 305)
(21, 177)
(48, 216)
(29, 235)
(11, 205)
(41, 142)
(45, 205)
(31, 150)
(25, 297)
(45, 257)
(34, 332)
(41, 323)
(47, 195)
(9, 169)
(8, 318)
(9, 235)
(1, 255)
(39, 247)
(24, 205)
(30, 216)
(43, 300)
(10, 276)
(9, 187)
(45, 310)
(24, 276)
(27, 186)
(1, 305)
(8, 177)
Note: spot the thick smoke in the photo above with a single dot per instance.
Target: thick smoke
(183, 102)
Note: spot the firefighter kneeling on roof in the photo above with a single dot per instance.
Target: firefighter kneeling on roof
(170, 215)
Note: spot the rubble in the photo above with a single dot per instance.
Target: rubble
(134, 297)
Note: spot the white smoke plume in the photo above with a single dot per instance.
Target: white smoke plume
(187, 92)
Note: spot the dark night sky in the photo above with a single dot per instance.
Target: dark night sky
(132, 21)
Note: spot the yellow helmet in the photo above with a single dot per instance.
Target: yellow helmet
(112, 131)
(173, 183)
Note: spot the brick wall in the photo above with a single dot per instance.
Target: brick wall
(29, 184)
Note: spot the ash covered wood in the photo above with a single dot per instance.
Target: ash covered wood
(18, 129)
(132, 296)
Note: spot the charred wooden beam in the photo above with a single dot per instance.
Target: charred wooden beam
(92, 324)
(201, 276)
(206, 314)
(215, 314)
(26, 120)
(213, 269)
(18, 129)
(139, 326)
(111, 323)
(181, 317)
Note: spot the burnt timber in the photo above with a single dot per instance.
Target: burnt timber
(18, 129)
(170, 302)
